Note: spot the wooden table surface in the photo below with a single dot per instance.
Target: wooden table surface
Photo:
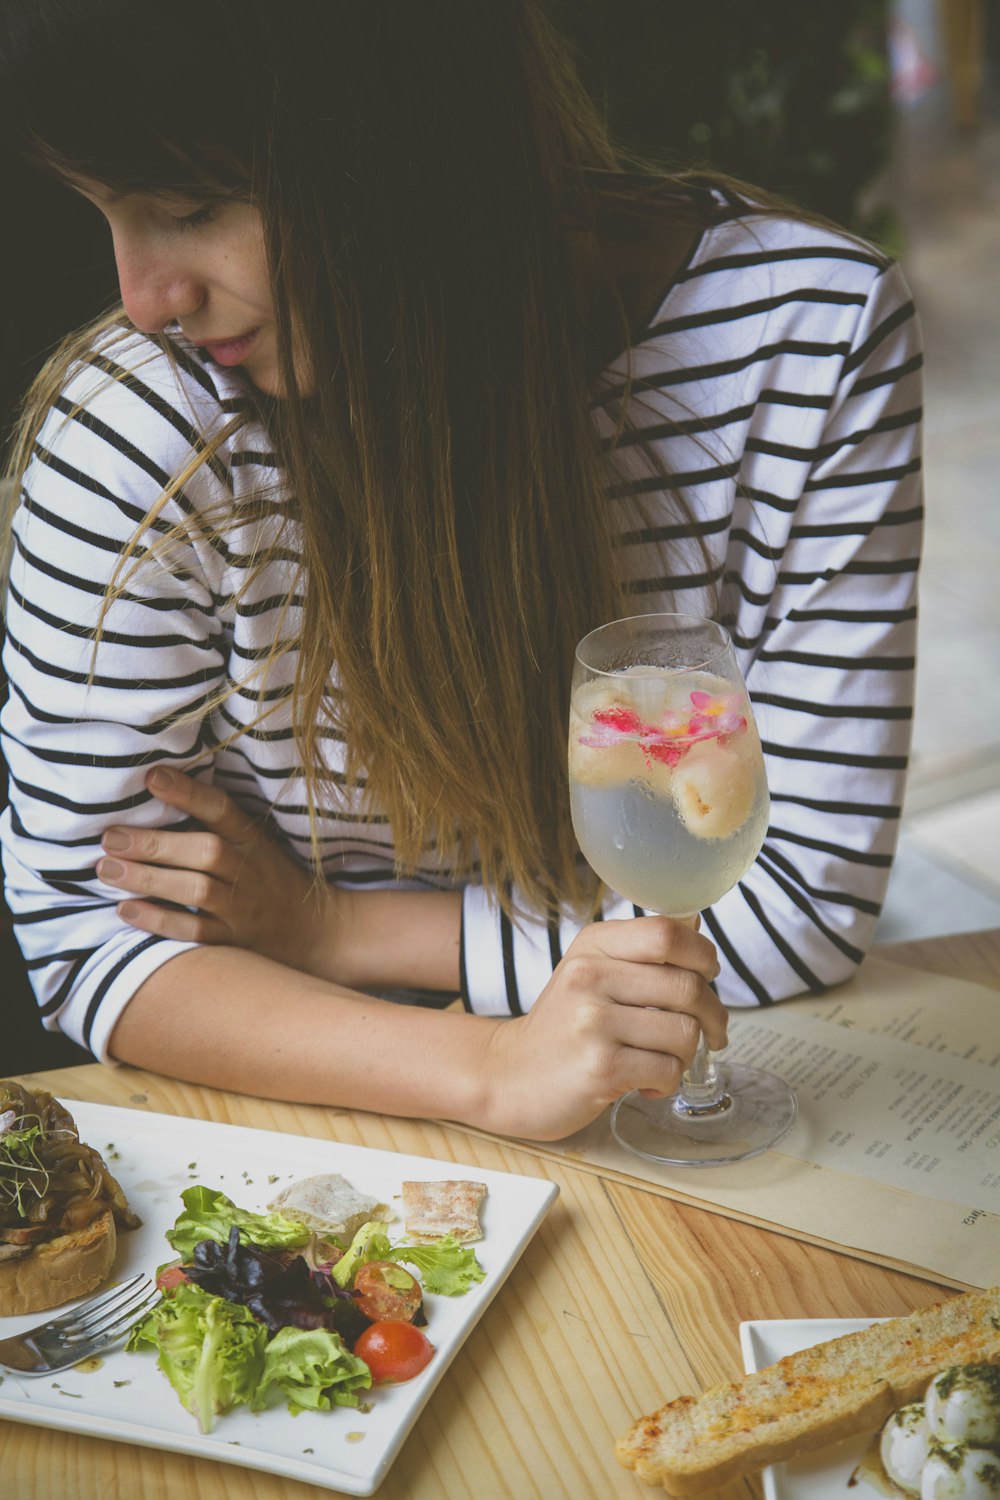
(622, 1300)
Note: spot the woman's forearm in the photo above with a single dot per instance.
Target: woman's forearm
(232, 1019)
(383, 940)
(624, 1009)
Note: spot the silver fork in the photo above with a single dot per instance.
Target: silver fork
(87, 1330)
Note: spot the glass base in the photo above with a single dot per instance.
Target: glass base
(758, 1110)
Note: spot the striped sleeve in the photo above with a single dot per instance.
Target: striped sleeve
(83, 724)
(828, 652)
(506, 964)
(832, 682)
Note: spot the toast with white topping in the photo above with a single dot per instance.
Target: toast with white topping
(831, 1391)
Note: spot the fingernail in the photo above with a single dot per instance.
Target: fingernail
(114, 839)
(162, 778)
(110, 869)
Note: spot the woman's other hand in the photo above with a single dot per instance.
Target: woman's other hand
(624, 1010)
(225, 882)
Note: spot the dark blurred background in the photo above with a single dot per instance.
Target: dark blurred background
(790, 96)
(882, 115)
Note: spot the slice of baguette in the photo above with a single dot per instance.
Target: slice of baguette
(71, 1265)
(808, 1400)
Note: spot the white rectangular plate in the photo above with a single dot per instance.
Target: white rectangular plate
(155, 1157)
(819, 1476)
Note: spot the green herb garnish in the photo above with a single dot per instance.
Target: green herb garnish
(22, 1172)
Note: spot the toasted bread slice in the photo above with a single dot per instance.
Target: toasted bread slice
(831, 1391)
(432, 1209)
(71, 1265)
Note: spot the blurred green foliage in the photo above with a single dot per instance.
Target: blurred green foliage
(792, 95)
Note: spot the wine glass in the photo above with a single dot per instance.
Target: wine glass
(670, 807)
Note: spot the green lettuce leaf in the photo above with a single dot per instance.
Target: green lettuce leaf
(209, 1215)
(446, 1266)
(369, 1243)
(313, 1369)
(211, 1351)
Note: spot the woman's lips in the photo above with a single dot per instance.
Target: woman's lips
(229, 351)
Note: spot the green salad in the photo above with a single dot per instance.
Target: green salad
(258, 1309)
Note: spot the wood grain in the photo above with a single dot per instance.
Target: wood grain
(623, 1300)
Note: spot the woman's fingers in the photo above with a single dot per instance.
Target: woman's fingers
(200, 800)
(657, 986)
(187, 851)
(663, 985)
(212, 851)
(164, 883)
(174, 922)
(658, 1031)
(654, 1074)
(220, 880)
(652, 940)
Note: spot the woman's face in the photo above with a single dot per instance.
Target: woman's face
(203, 267)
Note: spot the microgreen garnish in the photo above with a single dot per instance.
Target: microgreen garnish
(22, 1172)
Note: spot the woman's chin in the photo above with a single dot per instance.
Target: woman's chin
(270, 383)
(267, 382)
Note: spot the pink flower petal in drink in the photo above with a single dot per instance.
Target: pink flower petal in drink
(601, 739)
(621, 720)
(701, 699)
(667, 755)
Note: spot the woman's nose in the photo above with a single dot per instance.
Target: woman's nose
(158, 286)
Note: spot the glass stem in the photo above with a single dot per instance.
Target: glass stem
(700, 1085)
(701, 1090)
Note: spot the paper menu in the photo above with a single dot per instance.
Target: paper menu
(938, 1218)
(930, 1010)
(878, 1107)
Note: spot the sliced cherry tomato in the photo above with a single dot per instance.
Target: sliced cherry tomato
(169, 1278)
(387, 1292)
(393, 1351)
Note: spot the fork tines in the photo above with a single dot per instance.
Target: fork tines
(104, 1316)
(94, 1304)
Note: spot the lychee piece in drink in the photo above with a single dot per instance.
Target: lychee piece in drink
(713, 790)
(602, 751)
(595, 761)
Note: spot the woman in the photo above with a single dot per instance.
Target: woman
(413, 385)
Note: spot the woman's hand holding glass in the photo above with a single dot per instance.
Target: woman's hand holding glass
(670, 807)
(624, 1009)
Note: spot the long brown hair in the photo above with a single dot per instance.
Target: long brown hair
(426, 174)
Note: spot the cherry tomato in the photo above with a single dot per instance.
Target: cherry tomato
(386, 1292)
(169, 1278)
(393, 1351)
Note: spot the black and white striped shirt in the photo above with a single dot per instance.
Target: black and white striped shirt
(780, 381)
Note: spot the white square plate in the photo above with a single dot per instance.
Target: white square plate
(819, 1476)
(155, 1157)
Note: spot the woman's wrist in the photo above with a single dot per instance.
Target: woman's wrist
(385, 940)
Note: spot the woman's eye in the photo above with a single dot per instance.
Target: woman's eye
(194, 219)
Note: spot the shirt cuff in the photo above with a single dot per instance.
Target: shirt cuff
(97, 1004)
